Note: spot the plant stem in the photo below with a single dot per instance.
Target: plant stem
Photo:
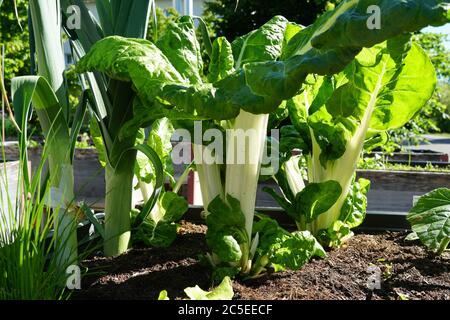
(209, 176)
(245, 143)
(118, 202)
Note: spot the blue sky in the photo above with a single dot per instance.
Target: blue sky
(444, 29)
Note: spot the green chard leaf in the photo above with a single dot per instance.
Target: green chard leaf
(226, 229)
(180, 45)
(353, 210)
(263, 44)
(222, 61)
(284, 250)
(430, 219)
(315, 199)
(159, 228)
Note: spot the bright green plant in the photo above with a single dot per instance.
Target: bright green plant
(224, 291)
(159, 228)
(29, 249)
(335, 117)
(248, 79)
(430, 220)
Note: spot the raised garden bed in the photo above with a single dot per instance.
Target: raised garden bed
(408, 271)
(414, 156)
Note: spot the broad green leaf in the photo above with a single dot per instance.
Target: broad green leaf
(143, 63)
(222, 61)
(285, 250)
(332, 136)
(224, 291)
(296, 251)
(263, 44)
(159, 140)
(225, 213)
(316, 198)
(224, 245)
(291, 139)
(349, 23)
(171, 208)
(334, 236)
(353, 210)
(180, 45)
(430, 219)
(159, 228)
(278, 116)
(226, 229)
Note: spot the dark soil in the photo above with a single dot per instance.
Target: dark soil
(408, 271)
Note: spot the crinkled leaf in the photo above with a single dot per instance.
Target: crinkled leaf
(224, 291)
(223, 213)
(222, 61)
(226, 229)
(430, 219)
(180, 45)
(283, 249)
(353, 210)
(350, 26)
(263, 44)
(159, 228)
(224, 245)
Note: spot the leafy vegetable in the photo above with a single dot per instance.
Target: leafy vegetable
(335, 116)
(159, 228)
(430, 219)
(224, 291)
(271, 65)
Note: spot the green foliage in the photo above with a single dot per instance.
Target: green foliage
(15, 37)
(29, 247)
(224, 291)
(159, 228)
(334, 118)
(430, 219)
(10, 129)
(435, 115)
(281, 250)
(273, 64)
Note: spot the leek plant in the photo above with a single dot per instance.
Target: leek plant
(47, 92)
(248, 79)
(112, 104)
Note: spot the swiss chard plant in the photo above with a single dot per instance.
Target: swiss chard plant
(248, 79)
(159, 228)
(334, 118)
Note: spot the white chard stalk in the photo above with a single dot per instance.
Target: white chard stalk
(242, 178)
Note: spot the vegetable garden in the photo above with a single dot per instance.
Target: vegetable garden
(285, 112)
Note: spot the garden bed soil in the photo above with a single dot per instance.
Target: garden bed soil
(408, 272)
